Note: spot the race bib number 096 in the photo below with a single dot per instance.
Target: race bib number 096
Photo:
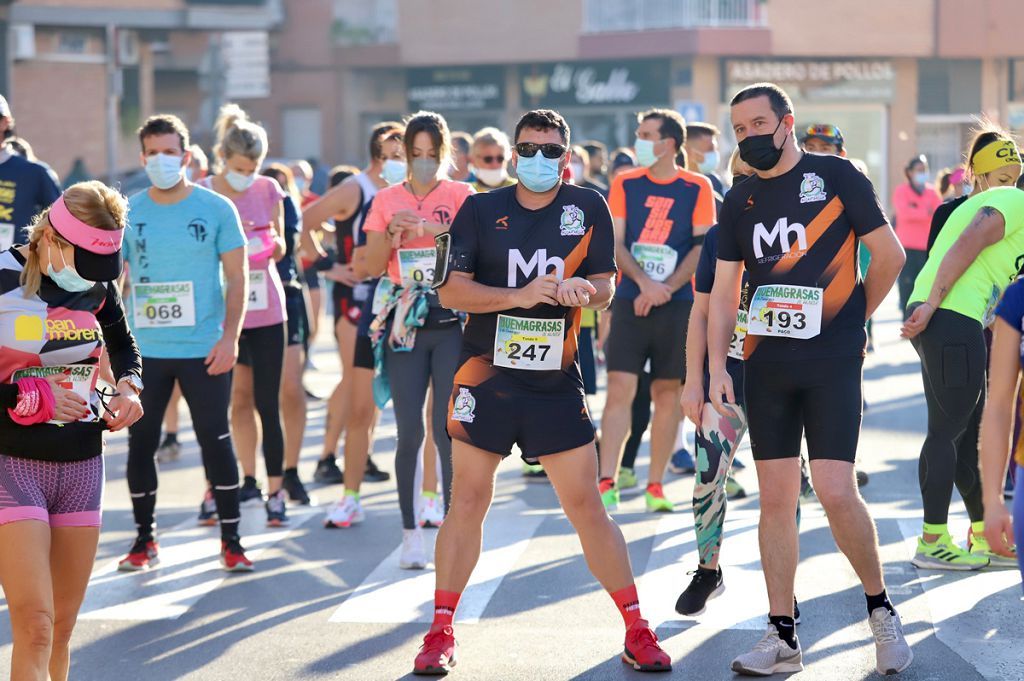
(417, 266)
(786, 311)
(657, 260)
(531, 344)
(162, 305)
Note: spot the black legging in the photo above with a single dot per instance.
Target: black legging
(908, 275)
(953, 365)
(208, 398)
(641, 418)
(262, 350)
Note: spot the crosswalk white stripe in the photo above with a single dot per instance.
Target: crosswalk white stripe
(391, 594)
(189, 569)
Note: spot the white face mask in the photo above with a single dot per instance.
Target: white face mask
(577, 172)
(238, 181)
(164, 171)
(492, 177)
(394, 171)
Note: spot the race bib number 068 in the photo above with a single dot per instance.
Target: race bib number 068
(531, 344)
(786, 311)
(166, 304)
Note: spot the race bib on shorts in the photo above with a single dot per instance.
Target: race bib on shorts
(416, 266)
(258, 295)
(739, 335)
(79, 380)
(166, 304)
(786, 311)
(657, 260)
(531, 344)
(6, 235)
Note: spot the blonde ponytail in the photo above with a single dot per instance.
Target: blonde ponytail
(236, 134)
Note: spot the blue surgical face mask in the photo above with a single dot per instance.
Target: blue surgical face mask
(68, 279)
(644, 152)
(538, 173)
(238, 181)
(920, 179)
(300, 184)
(164, 171)
(710, 162)
(394, 171)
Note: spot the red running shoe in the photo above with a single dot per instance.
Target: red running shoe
(642, 650)
(143, 555)
(437, 654)
(232, 557)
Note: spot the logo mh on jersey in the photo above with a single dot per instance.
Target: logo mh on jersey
(783, 231)
(539, 264)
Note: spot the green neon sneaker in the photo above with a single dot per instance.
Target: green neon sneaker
(627, 478)
(944, 554)
(979, 546)
(733, 489)
(656, 501)
(609, 494)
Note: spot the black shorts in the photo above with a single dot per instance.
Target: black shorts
(298, 320)
(363, 358)
(588, 362)
(312, 276)
(823, 397)
(493, 418)
(659, 337)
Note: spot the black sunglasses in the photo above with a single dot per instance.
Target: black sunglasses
(550, 150)
(493, 159)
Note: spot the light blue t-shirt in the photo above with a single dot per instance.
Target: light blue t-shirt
(176, 307)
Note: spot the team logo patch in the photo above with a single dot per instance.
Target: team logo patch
(465, 405)
(812, 189)
(572, 221)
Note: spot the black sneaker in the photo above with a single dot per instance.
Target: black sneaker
(705, 585)
(862, 478)
(374, 474)
(327, 472)
(295, 489)
(276, 514)
(796, 611)
(250, 491)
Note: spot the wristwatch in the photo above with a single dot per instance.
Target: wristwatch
(133, 381)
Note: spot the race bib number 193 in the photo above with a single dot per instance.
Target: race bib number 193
(532, 344)
(786, 311)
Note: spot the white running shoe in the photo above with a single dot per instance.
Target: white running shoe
(431, 511)
(345, 513)
(414, 556)
(892, 652)
(771, 655)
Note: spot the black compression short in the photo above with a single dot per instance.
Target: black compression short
(498, 414)
(659, 337)
(822, 397)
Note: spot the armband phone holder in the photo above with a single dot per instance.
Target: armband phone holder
(443, 244)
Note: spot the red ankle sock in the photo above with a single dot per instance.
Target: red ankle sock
(628, 603)
(445, 603)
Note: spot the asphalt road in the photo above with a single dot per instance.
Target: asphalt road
(333, 604)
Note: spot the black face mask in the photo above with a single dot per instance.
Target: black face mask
(736, 179)
(759, 151)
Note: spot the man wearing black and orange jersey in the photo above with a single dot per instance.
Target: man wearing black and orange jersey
(523, 261)
(661, 213)
(794, 226)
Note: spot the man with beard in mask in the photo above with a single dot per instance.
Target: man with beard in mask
(794, 226)
(524, 261)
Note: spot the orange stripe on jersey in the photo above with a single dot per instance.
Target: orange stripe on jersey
(572, 336)
(819, 225)
(475, 371)
(578, 253)
(841, 275)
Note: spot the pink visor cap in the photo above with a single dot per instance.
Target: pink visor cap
(97, 251)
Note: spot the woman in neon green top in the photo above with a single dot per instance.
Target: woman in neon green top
(975, 257)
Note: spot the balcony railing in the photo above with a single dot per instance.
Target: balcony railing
(613, 16)
(365, 22)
